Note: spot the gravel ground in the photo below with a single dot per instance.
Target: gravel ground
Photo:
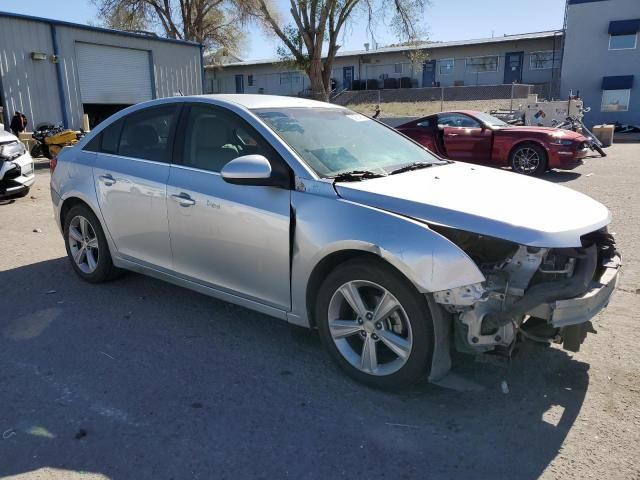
(143, 380)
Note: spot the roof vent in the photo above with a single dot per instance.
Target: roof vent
(366, 46)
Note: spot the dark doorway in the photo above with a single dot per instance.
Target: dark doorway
(99, 112)
(239, 83)
(347, 77)
(429, 73)
(513, 67)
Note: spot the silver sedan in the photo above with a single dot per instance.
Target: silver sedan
(322, 217)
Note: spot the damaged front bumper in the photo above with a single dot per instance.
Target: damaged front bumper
(563, 313)
(562, 288)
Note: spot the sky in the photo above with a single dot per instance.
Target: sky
(444, 20)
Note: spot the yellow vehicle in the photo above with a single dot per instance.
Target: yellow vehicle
(59, 140)
(50, 140)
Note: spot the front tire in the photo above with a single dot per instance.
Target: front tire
(528, 159)
(87, 246)
(375, 324)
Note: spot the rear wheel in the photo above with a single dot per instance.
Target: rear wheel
(87, 246)
(528, 159)
(374, 323)
(598, 149)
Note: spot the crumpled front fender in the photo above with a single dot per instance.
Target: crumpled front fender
(325, 225)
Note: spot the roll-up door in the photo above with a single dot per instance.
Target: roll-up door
(113, 75)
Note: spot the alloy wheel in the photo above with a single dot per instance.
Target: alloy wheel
(526, 160)
(370, 328)
(83, 244)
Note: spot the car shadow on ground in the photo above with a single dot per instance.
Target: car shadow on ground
(141, 379)
(560, 176)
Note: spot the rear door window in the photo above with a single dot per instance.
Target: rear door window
(148, 134)
(111, 137)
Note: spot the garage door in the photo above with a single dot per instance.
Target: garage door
(113, 74)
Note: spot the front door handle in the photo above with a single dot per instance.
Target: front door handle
(107, 179)
(184, 200)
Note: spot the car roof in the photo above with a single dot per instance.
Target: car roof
(252, 101)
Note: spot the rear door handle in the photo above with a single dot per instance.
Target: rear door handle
(107, 179)
(183, 199)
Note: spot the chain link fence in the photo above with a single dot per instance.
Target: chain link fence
(424, 101)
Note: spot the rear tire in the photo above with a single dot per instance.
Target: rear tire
(387, 341)
(528, 159)
(87, 246)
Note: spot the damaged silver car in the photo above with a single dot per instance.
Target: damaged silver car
(320, 216)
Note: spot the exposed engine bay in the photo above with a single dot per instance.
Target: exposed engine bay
(558, 288)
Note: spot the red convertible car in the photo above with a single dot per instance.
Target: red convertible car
(478, 137)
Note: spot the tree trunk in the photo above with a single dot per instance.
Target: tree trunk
(319, 90)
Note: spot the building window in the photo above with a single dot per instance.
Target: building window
(623, 42)
(289, 77)
(541, 60)
(482, 64)
(397, 68)
(250, 80)
(615, 100)
(446, 66)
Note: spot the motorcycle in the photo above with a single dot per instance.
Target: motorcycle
(575, 123)
(51, 139)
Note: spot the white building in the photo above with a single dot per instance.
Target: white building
(531, 58)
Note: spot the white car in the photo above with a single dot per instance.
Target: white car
(16, 167)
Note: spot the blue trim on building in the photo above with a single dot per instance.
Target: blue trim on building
(203, 74)
(152, 72)
(621, 82)
(576, 2)
(56, 52)
(624, 27)
(5, 113)
(95, 29)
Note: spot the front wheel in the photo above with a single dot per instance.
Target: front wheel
(528, 159)
(375, 324)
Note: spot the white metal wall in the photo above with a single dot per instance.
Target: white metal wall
(29, 85)
(176, 67)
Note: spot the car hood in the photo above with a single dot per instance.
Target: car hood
(6, 136)
(486, 201)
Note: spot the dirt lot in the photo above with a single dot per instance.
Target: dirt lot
(143, 380)
(422, 109)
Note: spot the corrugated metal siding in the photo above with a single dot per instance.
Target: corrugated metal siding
(176, 67)
(32, 86)
(113, 74)
(29, 85)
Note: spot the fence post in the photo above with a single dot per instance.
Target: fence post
(442, 99)
(379, 97)
(513, 85)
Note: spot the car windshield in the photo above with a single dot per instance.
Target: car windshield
(490, 120)
(333, 141)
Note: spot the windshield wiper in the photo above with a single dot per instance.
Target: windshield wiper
(356, 176)
(412, 166)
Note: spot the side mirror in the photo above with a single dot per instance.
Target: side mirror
(248, 170)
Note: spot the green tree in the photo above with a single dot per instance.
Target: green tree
(319, 24)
